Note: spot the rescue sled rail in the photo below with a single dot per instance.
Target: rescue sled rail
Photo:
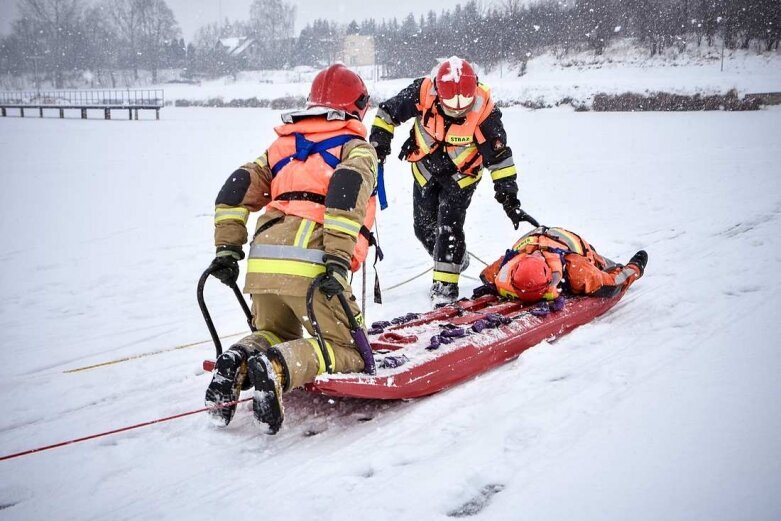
(107, 100)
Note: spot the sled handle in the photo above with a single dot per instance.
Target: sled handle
(356, 331)
(205, 311)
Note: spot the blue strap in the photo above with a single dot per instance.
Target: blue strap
(381, 186)
(306, 148)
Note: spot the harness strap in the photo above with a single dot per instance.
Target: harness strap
(312, 197)
(306, 148)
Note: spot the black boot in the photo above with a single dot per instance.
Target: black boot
(639, 259)
(443, 292)
(267, 400)
(230, 372)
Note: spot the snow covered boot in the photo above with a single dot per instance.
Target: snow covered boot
(639, 259)
(267, 373)
(443, 292)
(230, 372)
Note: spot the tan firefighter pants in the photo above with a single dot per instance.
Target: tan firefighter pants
(278, 318)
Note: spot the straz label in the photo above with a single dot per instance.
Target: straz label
(459, 140)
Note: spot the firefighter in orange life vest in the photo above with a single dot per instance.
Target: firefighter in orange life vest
(547, 260)
(457, 133)
(316, 183)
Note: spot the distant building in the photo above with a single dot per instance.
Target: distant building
(242, 50)
(358, 50)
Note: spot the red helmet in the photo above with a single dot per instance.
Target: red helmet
(456, 84)
(337, 87)
(531, 277)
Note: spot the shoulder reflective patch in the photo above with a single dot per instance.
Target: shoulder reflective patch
(234, 189)
(343, 189)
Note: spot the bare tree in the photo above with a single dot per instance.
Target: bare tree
(56, 22)
(157, 29)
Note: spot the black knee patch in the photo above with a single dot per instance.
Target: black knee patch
(234, 189)
(344, 189)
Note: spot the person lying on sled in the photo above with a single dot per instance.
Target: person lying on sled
(546, 261)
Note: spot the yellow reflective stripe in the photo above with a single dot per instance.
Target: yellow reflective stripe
(461, 158)
(284, 267)
(262, 161)
(470, 180)
(501, 173)
(551, 295)
(379, 122)
(342, 224)
(362, 152)
(506, 294)
(319, 353)
(443, 276)
(418, 176)
(304, 233)
(567, 237)
(483, 86)
(270, 337)
(424, 147)
(233, 213)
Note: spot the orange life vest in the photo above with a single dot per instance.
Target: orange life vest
(553, 243)
(460, 140)
(302, 161)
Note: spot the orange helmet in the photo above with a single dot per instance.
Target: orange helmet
(337, 87)
(456, 85)
(531, 277)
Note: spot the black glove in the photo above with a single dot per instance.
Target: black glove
(225, 265)
(335, 280)
(381, 139)
(512, 207)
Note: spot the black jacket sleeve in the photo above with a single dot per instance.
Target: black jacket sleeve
(403, 106)
(495, 149)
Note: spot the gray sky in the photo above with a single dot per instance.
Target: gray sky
(192, 14)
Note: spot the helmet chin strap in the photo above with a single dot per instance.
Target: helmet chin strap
(453, 113)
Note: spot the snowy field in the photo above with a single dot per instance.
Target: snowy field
(662, 409)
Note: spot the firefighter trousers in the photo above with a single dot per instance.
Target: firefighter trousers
(439, 212)
(279, 320)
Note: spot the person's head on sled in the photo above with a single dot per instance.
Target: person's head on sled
(531, 278)
(548, 261)
(315, 182)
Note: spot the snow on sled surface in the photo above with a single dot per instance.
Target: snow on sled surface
(428, 371)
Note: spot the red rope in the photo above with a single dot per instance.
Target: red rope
(123, 429)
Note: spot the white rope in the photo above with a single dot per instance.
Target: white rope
(477, 258)
(408, 280)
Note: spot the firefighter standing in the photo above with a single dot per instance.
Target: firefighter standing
(456, 134)
(315, 183)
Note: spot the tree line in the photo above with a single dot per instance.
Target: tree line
(62, 38)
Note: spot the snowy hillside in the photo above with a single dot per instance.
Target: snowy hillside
(662, 409)
(548, 80)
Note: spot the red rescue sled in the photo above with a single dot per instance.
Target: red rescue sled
(479, 334)
(426, 371)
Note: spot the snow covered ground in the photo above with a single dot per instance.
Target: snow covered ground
(662, 409)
